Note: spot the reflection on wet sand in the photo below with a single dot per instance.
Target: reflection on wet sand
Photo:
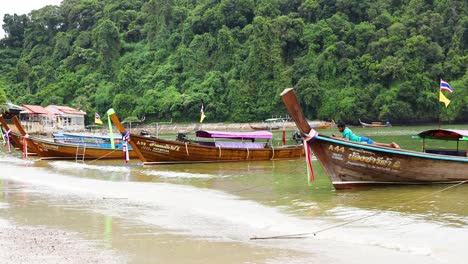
(144, 243)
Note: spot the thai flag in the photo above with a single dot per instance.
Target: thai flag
(97, 119)
(445, 86)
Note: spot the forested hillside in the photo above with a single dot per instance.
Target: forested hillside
(348, 59)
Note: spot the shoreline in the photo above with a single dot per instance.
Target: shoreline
(156, 128)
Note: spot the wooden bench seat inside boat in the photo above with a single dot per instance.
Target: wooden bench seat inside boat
(446, 152)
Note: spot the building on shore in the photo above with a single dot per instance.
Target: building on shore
(38, 119)
(68, 118)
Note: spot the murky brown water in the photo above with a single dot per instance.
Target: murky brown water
(207, 213)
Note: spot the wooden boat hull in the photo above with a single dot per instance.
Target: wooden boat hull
(351, 164)
(160, 151)
(59, 151)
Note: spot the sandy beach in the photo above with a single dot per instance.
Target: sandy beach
(26, 244)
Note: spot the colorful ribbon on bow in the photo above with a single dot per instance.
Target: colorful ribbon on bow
(126, 138)
(308, 155)
(7, 137)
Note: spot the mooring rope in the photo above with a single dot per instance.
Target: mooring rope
(103, 156)
(304, 235)
(250, 188)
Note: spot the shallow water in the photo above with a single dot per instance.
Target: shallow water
(208, 213)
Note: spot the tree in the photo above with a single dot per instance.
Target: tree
(45, 24)
(14, 26)
(107, 44)
(3, 101)
(81, 14)
(124, 104)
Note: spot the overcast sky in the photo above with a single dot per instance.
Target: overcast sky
(21, 7)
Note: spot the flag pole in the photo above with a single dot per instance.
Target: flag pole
(440, 111)
(440, 120)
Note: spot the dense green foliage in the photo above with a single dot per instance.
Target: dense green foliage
(348, 59)
(3, 100)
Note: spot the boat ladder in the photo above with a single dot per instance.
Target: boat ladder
(80, 152)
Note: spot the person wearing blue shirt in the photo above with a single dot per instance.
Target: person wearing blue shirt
(347, 134)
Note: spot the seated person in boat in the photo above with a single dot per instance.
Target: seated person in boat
(347, 134)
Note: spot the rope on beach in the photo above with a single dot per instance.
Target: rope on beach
(305, 235)
(251, 187)
(102, 156)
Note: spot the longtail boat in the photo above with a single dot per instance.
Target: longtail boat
(351, 164)
(321, 124)
(375, 124)
(49, 150)
(152, 150)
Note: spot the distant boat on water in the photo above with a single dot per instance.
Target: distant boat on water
(322, 124)
(265, 127)
(375, 124)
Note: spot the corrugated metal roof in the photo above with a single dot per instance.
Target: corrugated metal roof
(36, 109)
(14, 107)
(68, 110)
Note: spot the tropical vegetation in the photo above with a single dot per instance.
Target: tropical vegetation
(348, 59)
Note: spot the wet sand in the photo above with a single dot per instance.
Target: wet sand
(25, 244)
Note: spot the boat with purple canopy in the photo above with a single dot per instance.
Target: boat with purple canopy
(223, 147)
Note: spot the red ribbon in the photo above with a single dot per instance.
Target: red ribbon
(308, 154)
(308, 158)
(25, 146)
